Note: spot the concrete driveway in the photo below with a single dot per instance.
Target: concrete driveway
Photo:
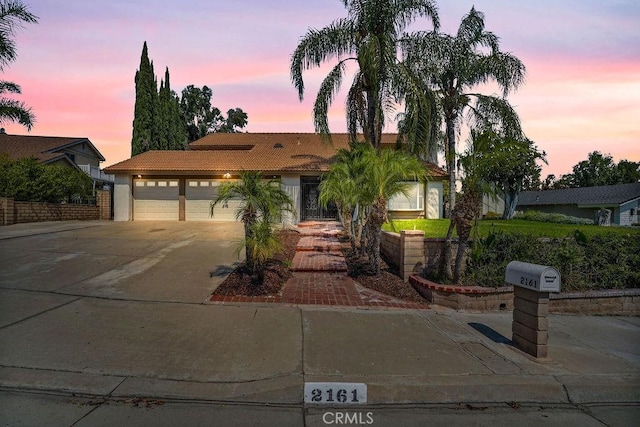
(148, 261)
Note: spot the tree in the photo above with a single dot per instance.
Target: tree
(236, 119)
(201, 118)
(172, 135)
(261, 201)
(342, 185)
(12, 15)
(598, 169)
(627, 172)
(453, 66)
(145, 133)
(369, 36)
(507, 163)
(468, 209)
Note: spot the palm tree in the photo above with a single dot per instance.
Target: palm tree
(453, 66)
(261, 201)
(379, 175)
(369, 36)
(341, 185)
(12, 14)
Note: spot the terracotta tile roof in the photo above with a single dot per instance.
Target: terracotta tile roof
(232, 152)
(44, 148)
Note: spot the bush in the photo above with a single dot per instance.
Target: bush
(28, 180)
(585, 263)
(557, 218)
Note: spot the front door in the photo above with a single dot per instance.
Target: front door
(311, 207)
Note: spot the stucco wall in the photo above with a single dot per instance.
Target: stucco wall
(122, 198)
(433, 198)
(291, 184)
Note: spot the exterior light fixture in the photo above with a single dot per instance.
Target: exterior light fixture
(139, 176)
(227, 175)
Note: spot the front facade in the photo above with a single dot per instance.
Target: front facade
(622, 200)
(180, 185)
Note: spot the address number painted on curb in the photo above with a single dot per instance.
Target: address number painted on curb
(335, 393)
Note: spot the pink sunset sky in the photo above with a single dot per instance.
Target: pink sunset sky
(77, 66)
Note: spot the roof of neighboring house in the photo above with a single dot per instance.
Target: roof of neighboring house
(600, 196)
(46, 149)
(228, 152)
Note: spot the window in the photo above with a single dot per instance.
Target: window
(413, 201)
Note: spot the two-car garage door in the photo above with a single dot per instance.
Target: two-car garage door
(158, 199)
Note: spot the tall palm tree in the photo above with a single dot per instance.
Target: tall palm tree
(260, 201)
(12, 15)
(370, 37)
(453, 66)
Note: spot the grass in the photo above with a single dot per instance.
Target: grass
(439, 227)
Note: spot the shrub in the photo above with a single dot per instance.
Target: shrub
(30, 181)
(603, 261)
(557, 218)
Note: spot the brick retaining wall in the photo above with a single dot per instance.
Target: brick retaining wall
(13, 212)
(40, 212)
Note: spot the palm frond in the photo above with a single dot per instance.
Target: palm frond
(15, 111)
(317, 46)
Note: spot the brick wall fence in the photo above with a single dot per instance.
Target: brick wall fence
(414, 255)
(14, 212)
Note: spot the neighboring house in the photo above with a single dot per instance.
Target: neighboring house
(623, 200)
(179, 185)
(72, 152)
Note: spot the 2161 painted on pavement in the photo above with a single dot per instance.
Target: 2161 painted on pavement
(335, 393)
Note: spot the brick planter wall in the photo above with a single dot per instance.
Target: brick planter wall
(619, 302)
(476, 298)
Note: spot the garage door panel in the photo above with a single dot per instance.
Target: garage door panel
(156, 200)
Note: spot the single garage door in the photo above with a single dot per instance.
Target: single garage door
(155, 199)
(199, 194)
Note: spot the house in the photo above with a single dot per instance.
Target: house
(623, 200)
(179, 185)
(72, 152)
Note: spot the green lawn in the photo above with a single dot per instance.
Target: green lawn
(438, 228)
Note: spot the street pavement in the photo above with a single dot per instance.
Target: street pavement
(106, 323)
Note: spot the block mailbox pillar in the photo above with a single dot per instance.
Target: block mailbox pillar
(532, 284)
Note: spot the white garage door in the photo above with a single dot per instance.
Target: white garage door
(199, 194)
(155, 199)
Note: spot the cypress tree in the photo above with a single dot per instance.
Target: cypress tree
(177, 137)
(164, 105)
(144, 131)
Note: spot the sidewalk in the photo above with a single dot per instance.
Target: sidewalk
(320, 276)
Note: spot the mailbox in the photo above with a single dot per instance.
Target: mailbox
(540, 278)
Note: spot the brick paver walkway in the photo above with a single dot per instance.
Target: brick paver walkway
(320, 276)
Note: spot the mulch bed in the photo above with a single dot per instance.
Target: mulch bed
(241, 283)
(388, 283)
